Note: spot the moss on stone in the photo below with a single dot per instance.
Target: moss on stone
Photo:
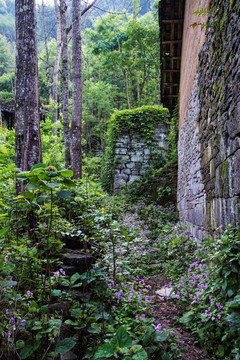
(224, 171)
(141, 121)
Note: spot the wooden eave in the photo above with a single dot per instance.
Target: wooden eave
(171, 19)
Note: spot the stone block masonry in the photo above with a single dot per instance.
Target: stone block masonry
(209, 141)
(133, 156)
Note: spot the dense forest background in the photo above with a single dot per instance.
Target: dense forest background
(121, 68)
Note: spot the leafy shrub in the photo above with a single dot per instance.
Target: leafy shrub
(205, 278)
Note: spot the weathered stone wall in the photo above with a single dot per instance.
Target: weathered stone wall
(209, 142)
(133, 156)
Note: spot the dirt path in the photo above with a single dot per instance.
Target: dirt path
(165, 312)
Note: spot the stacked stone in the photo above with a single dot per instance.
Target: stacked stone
(133, 156)
(209, 145)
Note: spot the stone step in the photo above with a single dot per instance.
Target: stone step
(78, 259)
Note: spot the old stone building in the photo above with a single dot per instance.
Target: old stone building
(209, 131)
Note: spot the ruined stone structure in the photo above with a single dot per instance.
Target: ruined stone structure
(133, 156)
(209, 140)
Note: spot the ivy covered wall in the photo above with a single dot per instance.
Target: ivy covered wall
(136, 145)
(209, 141)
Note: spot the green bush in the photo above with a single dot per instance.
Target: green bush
(6, 97)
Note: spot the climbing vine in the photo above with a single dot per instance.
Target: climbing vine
(141, 121)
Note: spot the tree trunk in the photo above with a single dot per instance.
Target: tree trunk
(76, 128)
(127, 88)
(47, 54)
(65, 90)
(57, 58)
(136, 8)
(27, 120)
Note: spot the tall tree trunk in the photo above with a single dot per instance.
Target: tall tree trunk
(136, 8)
(127, 88)
(27, 120)
(65, 89)
(76, 128)
(57, 58)
(47, 54)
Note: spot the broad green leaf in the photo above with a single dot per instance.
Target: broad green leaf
(75, 277)
(31, 187)
(39, 166)
(64, 194)
(41, 199)
(122, 338)
(56, 292)
(68, 182)
(33, 306)
(29, 348)
(76, 313)
(8, 283)
(23, 174)
(64, 346)
(67, 173)
(55, 323)
(104, 351)
(19, 344)
(161, 336)
(38, 171)
(52, 185)
(187, 317)
(140, 355)
(27, 351)
(4, 230)
(29, 195)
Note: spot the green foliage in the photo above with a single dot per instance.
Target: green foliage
(7, 82)
(205, 278)
(140, 121)
(6, 97)
(6, 54)
(172, 138)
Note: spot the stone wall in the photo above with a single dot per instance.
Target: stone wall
(133, 156)
(209, 142)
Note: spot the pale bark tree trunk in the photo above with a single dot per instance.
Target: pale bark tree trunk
(27, 120)
(127, 88)
(76, 128)
(136, 7)
(65, 87)
(57, 58)
(47, 54)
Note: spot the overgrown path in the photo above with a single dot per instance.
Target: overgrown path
(166, 312)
